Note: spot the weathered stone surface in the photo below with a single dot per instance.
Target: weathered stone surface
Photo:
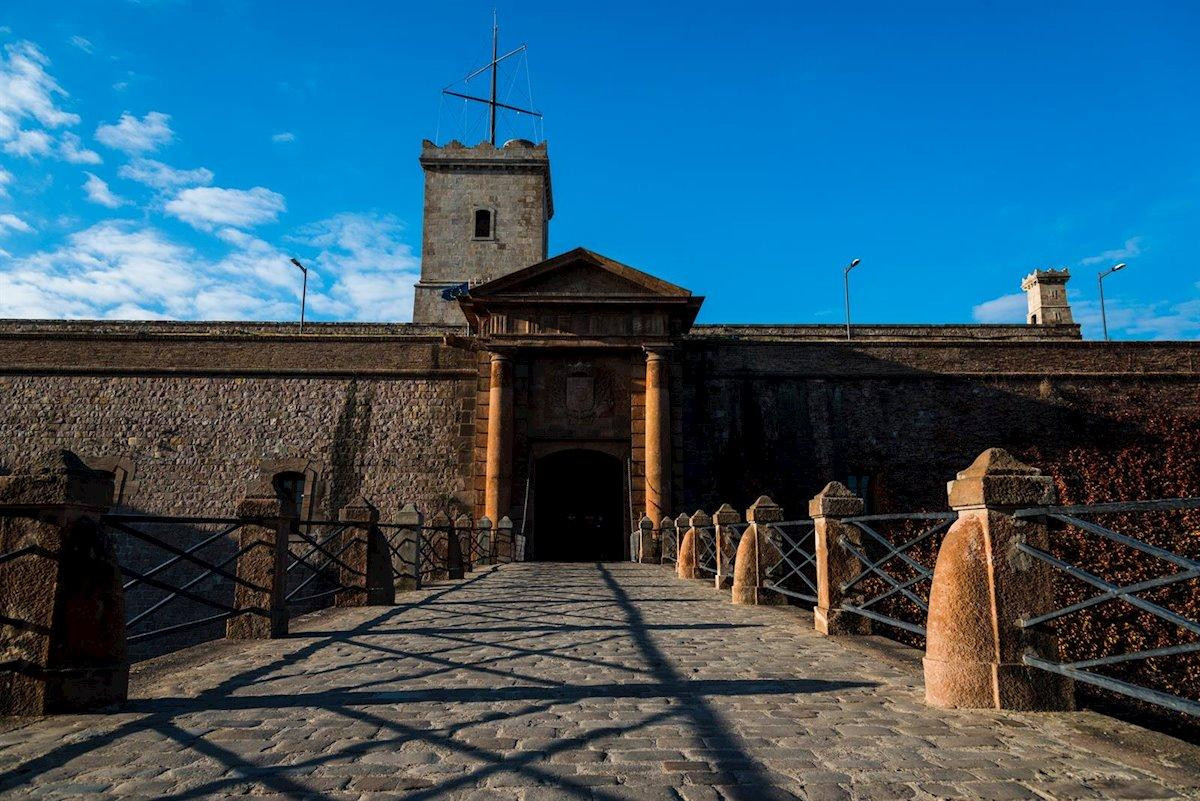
(497, 688)
(259, 593)
(835, 564)
(755, 554)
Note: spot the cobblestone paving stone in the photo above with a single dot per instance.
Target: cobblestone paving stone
(538, 682)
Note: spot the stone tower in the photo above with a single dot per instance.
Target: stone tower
(1046, 293)
(487, 212)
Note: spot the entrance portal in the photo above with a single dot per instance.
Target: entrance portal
(578, 511)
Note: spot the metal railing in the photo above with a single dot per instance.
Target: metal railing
(314, 551)
(890, 570)
(185, 575)
(706, 550)
(668, 540)
(1180, 569)
(795, 573)
(433, 553)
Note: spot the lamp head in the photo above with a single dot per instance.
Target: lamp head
(298, 264)
(852, 265)
(1120, 266)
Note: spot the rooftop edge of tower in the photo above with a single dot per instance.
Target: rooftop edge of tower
(515, 153)
(1050, 276)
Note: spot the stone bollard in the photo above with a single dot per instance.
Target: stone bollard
(464, 530)
(505, 545)
(263, 540)
(755, 554)
(442, 549)
(835, 564)
(404, 560)
(682, 524)
(668, 540)
(982, 585)
(726, 546)
(483, 540)
(62, 639)
(690, 548)
(367, 569)
(649, 545)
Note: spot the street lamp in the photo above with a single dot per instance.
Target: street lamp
(1100, 281)
(846, 282)
(303, 292)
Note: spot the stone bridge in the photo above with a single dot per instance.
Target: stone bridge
(605, 681)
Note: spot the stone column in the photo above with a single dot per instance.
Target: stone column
(63, 631)
(367, 569)
(727, 542)
(505, 546)
(755, 554)
(649, 546)
(404, 560)
(658, 434)
(835, 565)
(498, 478)
(264, 540)
(483, 540)
(982, 585)
(667, 541)
(688, 565)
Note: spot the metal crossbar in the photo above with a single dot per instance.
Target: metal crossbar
(669, 545)
(795, 541)
(908, 587)
(433, 553)
(706, 550)
(402, 567)
(1080, 670)
(319, 549)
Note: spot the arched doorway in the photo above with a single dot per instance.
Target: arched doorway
(578, 508)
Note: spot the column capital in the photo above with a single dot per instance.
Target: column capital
(500, 353)
(657, 352)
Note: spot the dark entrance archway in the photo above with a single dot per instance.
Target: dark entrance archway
(578, 508)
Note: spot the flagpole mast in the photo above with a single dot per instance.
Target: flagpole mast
(495, 63)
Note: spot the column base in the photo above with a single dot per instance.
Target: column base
(835, 622)
(991, 685)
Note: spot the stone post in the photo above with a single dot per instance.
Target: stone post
(505, 545)
(366, 553)
(649, 545)
(835, 564)
(755, 554)
(264, 540)
(982, 585)
(667, 535)
(658, 434)
(688, 565)
(498, 475)
(404, 560)
(483, 540)
(727, 542)
(442, 549)
(464, 530)
(62, 639)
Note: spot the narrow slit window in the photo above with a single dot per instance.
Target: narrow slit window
(483, 224)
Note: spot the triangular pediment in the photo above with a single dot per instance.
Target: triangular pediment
(579, 273)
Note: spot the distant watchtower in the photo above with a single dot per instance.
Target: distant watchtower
(487, 214)
(1046, 293)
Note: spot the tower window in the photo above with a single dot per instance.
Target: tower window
(484, 224)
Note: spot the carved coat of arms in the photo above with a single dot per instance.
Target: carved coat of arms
(584, 392)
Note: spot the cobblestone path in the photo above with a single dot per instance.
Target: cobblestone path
(571, 681)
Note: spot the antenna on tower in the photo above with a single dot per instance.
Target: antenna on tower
(491, 102)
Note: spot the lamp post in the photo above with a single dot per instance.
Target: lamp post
(1100, 281)
(846, 282)
(303, 292)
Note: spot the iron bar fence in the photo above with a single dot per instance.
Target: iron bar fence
(794, 574)
(669, 543)
(896, 570)
(314, 552)
(706, 550)
(1156, 585)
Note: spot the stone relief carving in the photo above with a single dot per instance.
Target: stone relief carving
(583, 391)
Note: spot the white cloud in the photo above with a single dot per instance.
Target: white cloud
(83, 44)
(11, 222)
(1139, 320)
(70, 147)
(286, 136)
(1004, 309)
(98, 192)
(1131, 248)
(163, 177)
(29, 143)
(136, 136)
(6, 178)
(28, 93)
(205, 207)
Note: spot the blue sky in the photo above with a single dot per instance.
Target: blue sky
(163, 157)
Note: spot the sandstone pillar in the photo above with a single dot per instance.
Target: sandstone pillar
(498, 477)
(688, 565)
(263, 540)
(62, 639)
(505, 545)
(649, 545)
(724, 520)
(404, 560)
(982, 585)
(658, 434)
(668, 540)
(367, 568)
(835, 564)
(755, 555)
